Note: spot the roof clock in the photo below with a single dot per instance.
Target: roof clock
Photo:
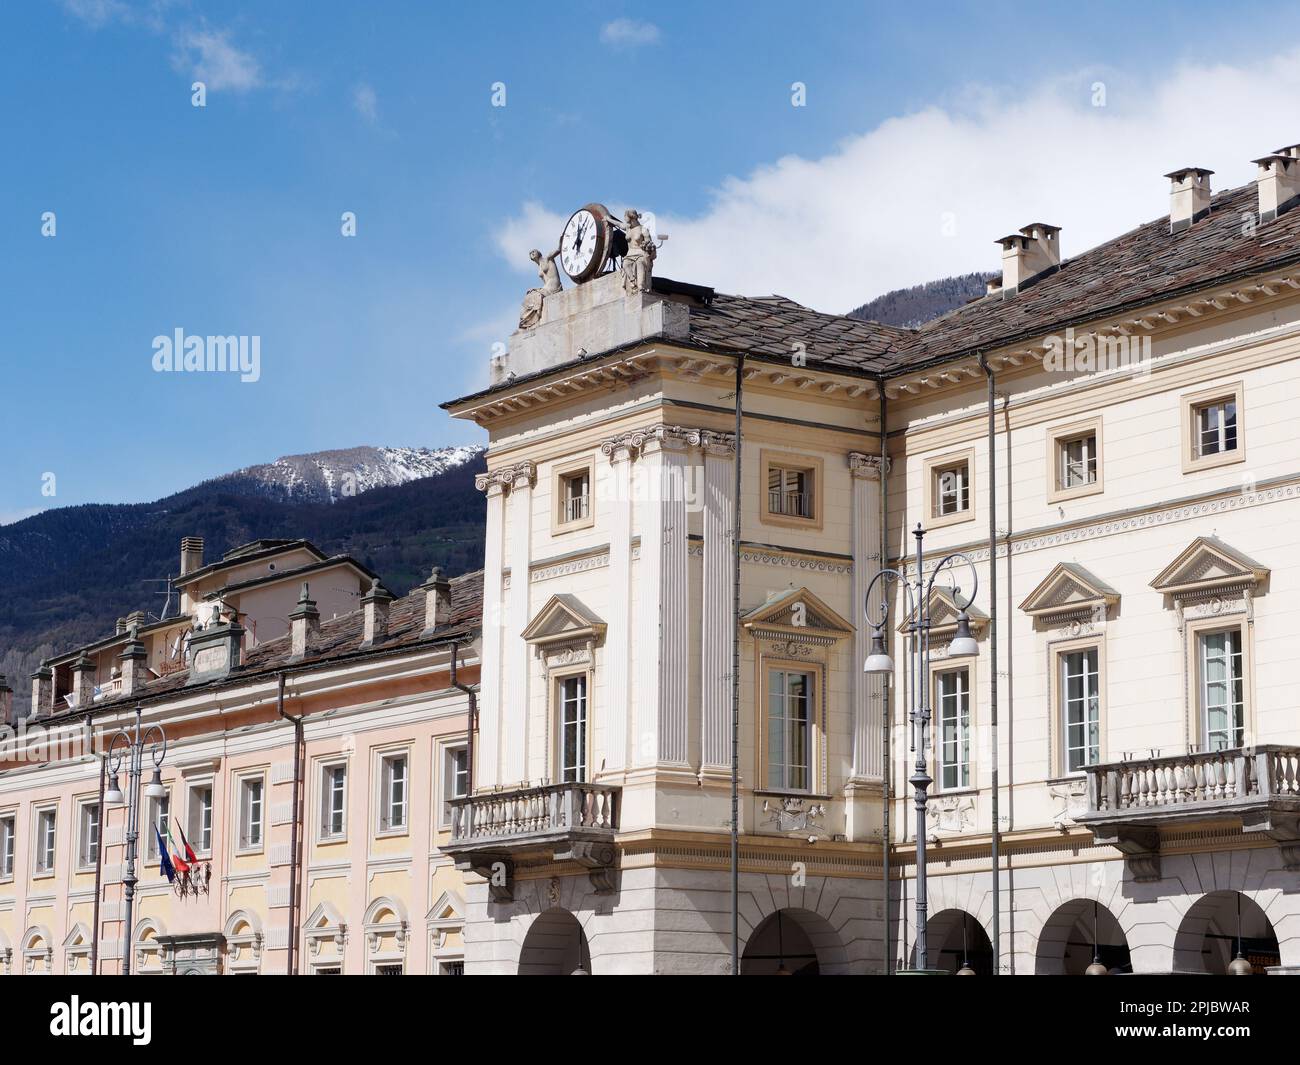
(590, 239)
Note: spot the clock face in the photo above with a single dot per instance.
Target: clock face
(582, 245)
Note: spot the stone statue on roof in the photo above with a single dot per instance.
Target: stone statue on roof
(638, 260)
(549, 274)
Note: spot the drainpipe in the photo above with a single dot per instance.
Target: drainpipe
(473, 720)
(996, 838)
(99, 853)
(885, 753)
(293, 831)
(735, 682)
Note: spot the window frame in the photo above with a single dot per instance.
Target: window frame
(1197, 724)
(194, 832)
(39, 845)
(243, 806)
(325, 767)
(1057, 439)
(563, 473)
(557, 682)
(447, 749)
(809, 727)
(1059, 728)
(811, 466)
(383, 757)
(938, 671)
(153, 809)
(83, 862)
(1193, 460)
(934, 468)
(8, 844)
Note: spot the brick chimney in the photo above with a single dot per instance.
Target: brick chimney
(83, 682)
(304, 624)
(1278, 179)
(1028, 255)
(437, 600)
(6, 703)
(374, 608)
(1189, 197)
(42, 691)
(191, 554)
(134, 661)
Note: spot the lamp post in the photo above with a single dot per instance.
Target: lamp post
(131, 746)
(879, 662)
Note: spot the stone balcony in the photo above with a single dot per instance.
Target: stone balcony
(493, 833)
(1256, 787)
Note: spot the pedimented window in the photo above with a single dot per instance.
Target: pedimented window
(1070, 595)
(564, 631)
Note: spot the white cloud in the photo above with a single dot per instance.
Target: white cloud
(924, 195)
(208, 56)
(366, 102)
(99, 13)
(629, 33)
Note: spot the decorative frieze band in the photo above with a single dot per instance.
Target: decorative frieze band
(868, 467)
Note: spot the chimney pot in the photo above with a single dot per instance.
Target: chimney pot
(304, 624)
(437, 600)
(1189, 196)
(83, 681)
(374, 607)
(191, 554)
(1278, 180)
(42, 691)
(1029, 255)
(134, 661)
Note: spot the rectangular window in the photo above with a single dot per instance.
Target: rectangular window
(789, 730)
(1081, 709)
(160, 811)
(393, 801)
(1215, 427)
(575, 496)
(328, 970)
(200, 834)
(451, 968)
(88, 836)
(951, 489)
(1223, 704)
(251, 818)
(573, 728)
(7, 833)
(333, 816)
(1078, 461)
(389, 970)
(790, 492)
(46, 828)
(455, 777)
(954, 729)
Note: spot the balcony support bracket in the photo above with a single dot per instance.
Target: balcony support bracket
(598, 859)
(497, 869)
(1282, 828)
(1140, 846)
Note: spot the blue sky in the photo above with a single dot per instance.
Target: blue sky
(226, 219)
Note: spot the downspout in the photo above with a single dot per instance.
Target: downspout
(885, 753)
(99, 852)
(735, 681)
(473, 720)
(293, 831)
(996, 836)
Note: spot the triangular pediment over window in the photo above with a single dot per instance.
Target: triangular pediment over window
(448, 910)
(943, 614)
(1208, 564)
(564, 619)
(796, 613)
(1069, 589)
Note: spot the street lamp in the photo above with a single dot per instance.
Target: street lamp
(131, 745)
(879, 662)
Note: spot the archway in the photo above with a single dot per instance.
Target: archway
(793, 942)
(954, 937)
(1207, 939)
(555, 946)
(1076, 932)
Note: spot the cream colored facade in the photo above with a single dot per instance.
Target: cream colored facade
(1120, 573)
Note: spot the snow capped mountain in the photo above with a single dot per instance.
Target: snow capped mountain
(327, 476)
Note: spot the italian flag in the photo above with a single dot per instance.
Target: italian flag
(181, 865)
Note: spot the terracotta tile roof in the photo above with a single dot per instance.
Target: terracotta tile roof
(339, 638)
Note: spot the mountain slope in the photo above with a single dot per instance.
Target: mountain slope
(912, 307)
(67, 574)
